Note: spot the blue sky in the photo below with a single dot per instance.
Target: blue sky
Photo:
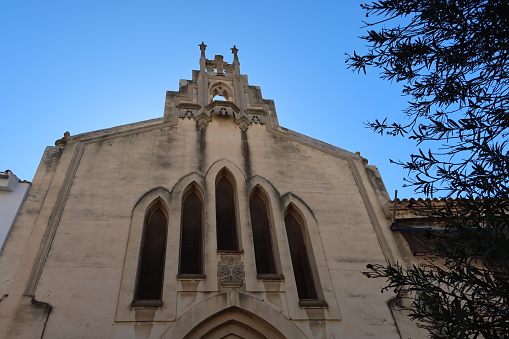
(80, 66)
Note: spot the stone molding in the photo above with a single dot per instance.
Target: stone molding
(233, 304)
(58, 208)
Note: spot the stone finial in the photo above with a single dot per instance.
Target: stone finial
(202, 49)
(234, 51)
(203, 60)
(63, 141)
(236, 63)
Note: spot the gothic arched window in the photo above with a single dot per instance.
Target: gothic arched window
(226, 219)
(306, 288)
(264, 253)
(149, 285)
(221, 92)
(191, 244)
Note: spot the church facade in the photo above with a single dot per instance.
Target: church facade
(212, 221)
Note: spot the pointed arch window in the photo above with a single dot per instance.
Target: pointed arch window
(149, 285)
(191, 243)
(262, 239)
(226, 219)
(220, 91)
(306, 287)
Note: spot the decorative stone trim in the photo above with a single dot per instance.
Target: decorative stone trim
(188, 110)
(222, 110)
(256, 115)
(255, 111)
(226, 104)
(257, 119)
(243, 123)
(202, 120)
(230, 273)
(186, 105)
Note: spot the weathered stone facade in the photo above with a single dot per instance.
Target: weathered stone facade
(71, 267)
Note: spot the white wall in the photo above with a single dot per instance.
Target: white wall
(12, 194)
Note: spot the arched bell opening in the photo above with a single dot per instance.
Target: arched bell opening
(220, 92)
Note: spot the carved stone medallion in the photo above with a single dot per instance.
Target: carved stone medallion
(230, 272)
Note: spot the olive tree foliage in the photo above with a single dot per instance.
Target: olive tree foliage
(452, 57)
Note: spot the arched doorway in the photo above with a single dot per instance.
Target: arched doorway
(234, 323)
(233, 315)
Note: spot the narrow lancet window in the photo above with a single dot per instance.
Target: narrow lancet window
(264, 254)
(306, 288)
(191, 237)
(226, 220)
(153, 250)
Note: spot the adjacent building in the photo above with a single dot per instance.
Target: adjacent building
(12, 194)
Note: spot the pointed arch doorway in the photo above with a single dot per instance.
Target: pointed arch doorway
(234, 323)
(239, 316)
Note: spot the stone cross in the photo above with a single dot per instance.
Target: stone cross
(219, 63)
